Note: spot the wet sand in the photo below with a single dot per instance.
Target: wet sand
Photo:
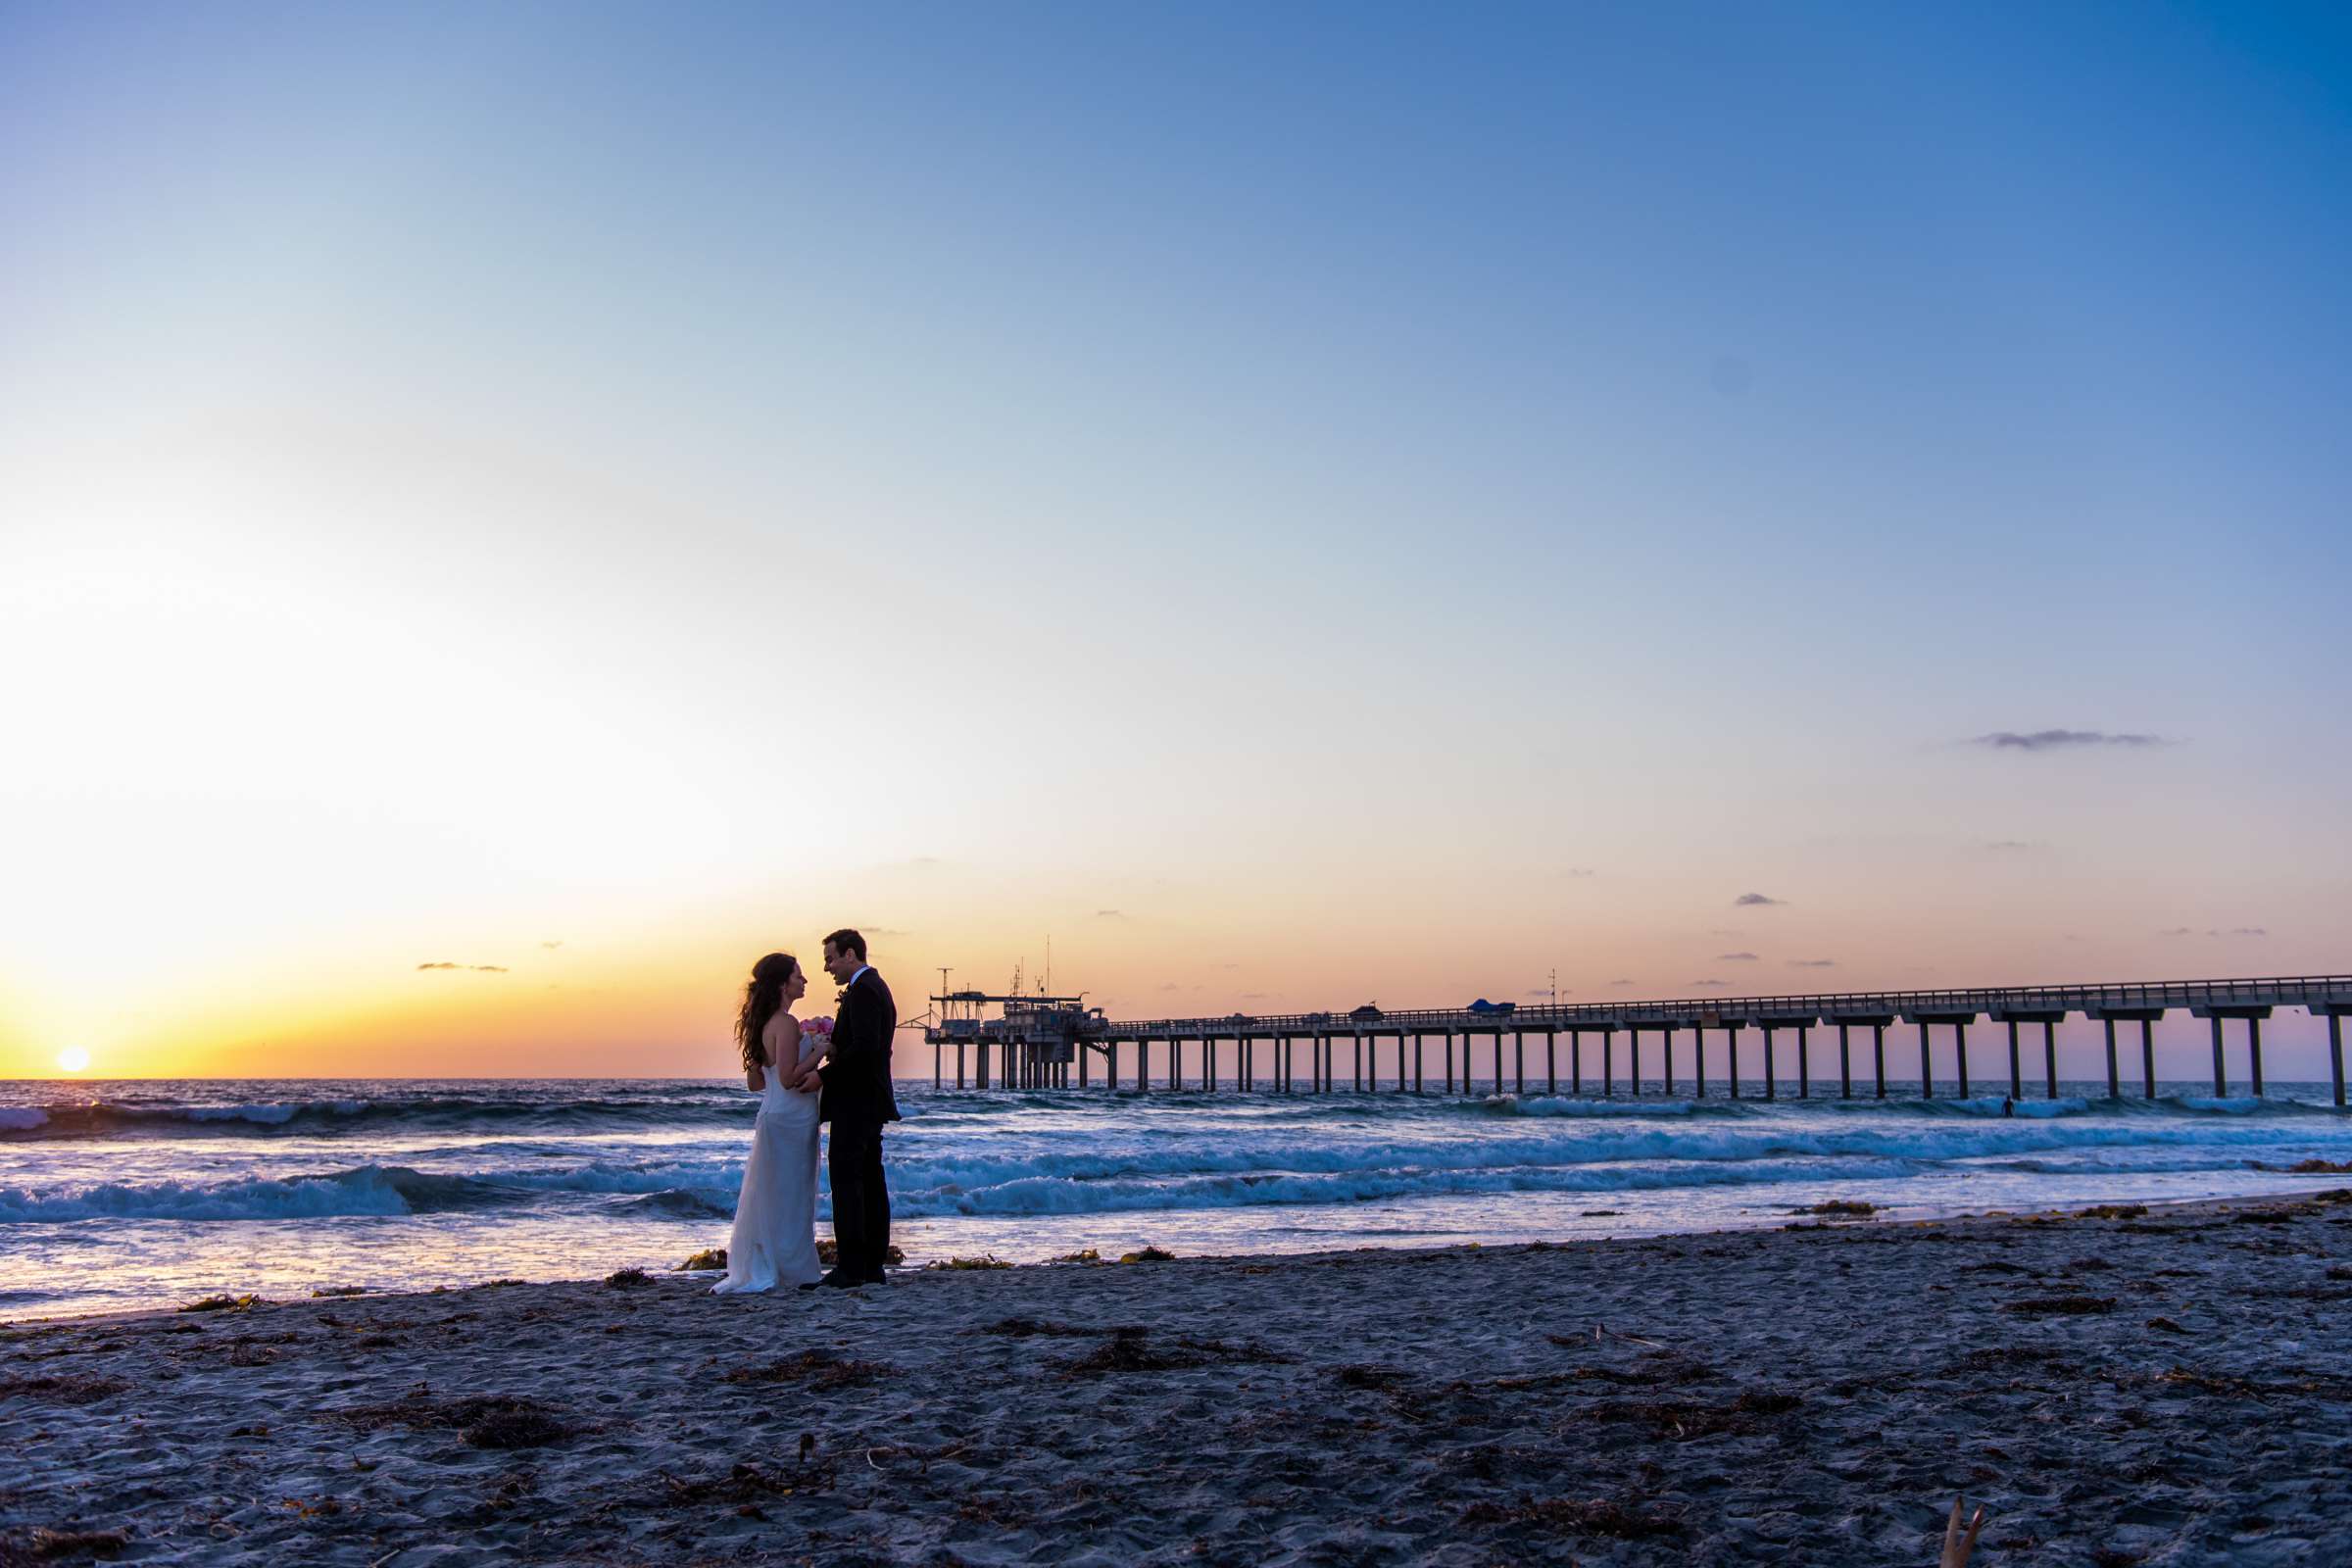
(2168, 1386)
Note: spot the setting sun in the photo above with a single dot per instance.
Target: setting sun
(73, 1058)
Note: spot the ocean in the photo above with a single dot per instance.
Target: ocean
(144, 1194)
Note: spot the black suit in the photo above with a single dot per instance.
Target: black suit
(858, 1100)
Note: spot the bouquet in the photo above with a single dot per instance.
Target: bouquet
(816, 1039)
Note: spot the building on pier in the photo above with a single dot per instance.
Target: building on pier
(1035, 1038)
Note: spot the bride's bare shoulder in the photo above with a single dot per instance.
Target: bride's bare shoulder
(781, 1037)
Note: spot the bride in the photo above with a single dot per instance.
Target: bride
(774, 1242)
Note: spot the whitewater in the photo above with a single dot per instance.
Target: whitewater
(124, 1194)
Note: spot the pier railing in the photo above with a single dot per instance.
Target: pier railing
(1823, 1006)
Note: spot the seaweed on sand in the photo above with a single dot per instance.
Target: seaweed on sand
(1027, 1328)
(482, 1421)
(2060, 1305)
(817, 1369)
(42, 1546)
(1130, 1350)
(1751, 1413)
(63, 1388)
(1371, 1377)
(828, 1253)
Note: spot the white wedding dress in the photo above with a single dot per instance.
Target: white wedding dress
(774, 1241)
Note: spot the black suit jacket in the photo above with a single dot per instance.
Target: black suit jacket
(856, 1079)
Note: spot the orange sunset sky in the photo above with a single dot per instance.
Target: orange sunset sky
(494, 537)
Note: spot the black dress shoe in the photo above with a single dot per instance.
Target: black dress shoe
(839, 1281)
(810, 1286)
(877, 1277)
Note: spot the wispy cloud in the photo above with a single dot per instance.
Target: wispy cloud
(470, 969)
(1108, 915)
(2176, 931)
(1812, 963)
(1621, 982)
(2009, 846)
(1708, 985)
(2058, 740)
(1577, 871)
(1756, 901)
(550, 945)
(1735, 958)
(2242, 931)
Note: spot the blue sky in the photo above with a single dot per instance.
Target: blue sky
(661, 463)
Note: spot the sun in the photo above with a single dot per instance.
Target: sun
(74, 1059)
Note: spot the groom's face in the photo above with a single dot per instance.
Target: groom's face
(840, 964)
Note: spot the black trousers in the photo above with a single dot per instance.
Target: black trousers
(860, 1199)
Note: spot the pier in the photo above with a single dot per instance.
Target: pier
(1054, 1041)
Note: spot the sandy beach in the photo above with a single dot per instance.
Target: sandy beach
(2119, 1387)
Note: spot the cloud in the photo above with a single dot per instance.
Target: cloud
(550, 945)
(1621, 982)
(1708, 985)
(1577, 871)
(1735, 958)
(2242, 931)
(1812, 963)
(1169, 985)
(2053, 740)
(473, 969)
(1108, 915)
(1260, 996)
(2176, 931)
(1756, 901)
(2009, 846)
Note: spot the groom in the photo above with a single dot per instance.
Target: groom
(856, 1097)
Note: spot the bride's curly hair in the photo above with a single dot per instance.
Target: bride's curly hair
(761, 1000)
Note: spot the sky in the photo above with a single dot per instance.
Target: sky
(508, 513)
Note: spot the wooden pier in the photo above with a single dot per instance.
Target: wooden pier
(1058, 1042)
